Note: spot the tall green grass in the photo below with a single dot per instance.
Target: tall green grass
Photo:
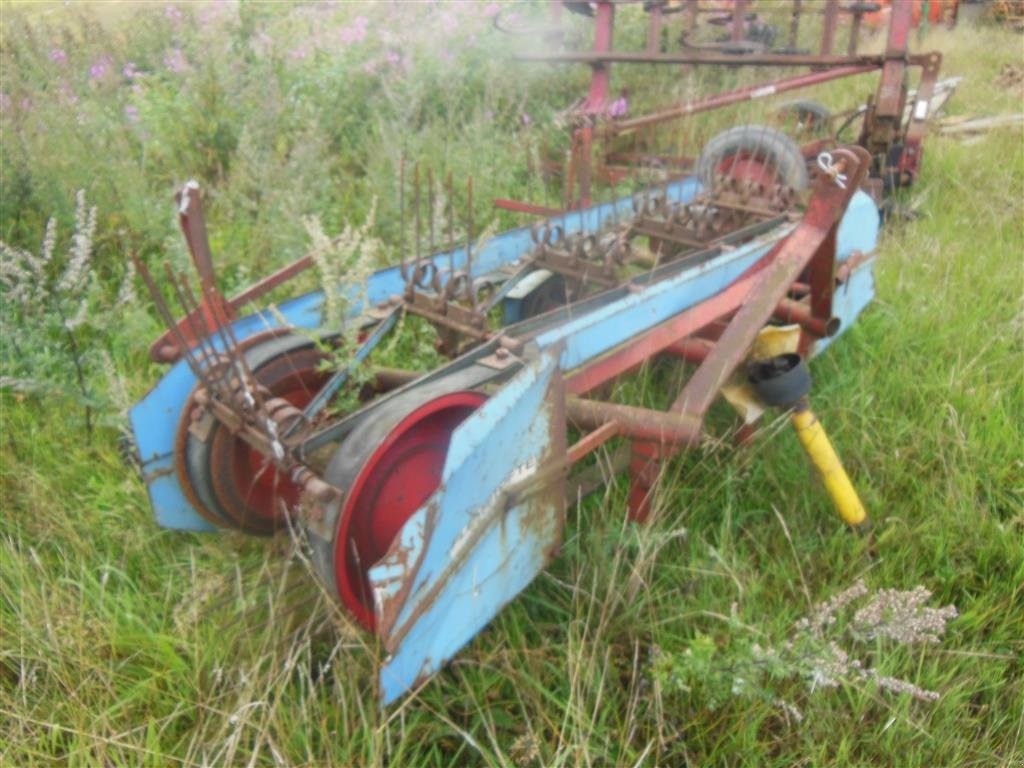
(122, 644)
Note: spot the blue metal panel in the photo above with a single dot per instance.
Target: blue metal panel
(596, 332)
(858, 229)
(466, 553)
(850, 299)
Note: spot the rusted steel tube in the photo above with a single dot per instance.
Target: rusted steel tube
(734, 97)
(797, 312)
(592, 441)
(676, 429)
(828, 30)
(691, 350)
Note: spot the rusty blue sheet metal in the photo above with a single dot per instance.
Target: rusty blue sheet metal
(156, 418)
(483, 536)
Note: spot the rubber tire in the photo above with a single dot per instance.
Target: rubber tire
(818, 111)
(356, 449)
(774, 145)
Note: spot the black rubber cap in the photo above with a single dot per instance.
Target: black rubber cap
(780, 381)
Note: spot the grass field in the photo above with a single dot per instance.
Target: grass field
(122, 644)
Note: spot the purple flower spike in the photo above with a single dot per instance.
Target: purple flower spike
(175, 61)
(101, 67)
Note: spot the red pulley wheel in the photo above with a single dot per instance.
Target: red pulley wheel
(253, 494)
(389, 472)
(232, 484)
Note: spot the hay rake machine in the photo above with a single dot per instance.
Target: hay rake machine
(440, 496)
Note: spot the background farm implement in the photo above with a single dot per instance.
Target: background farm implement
(430, 498)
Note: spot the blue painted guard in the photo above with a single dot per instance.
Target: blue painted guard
(469, 549)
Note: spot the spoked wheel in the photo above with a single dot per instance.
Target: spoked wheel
(389, 465)
(233, 484)
(755, 154)
(804, 118)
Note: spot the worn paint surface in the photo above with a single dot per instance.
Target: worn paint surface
(468, 551)
(850, 299)
(155, 418)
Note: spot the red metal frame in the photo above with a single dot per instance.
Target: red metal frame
(882, 124)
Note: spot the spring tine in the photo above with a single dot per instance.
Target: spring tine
(664, 189)
(213, 324)
(450, 195)
(404, 269)
(566, 185)
(183, 292)
(430, 210)
(208, 363)
(203, 334)
(165, 313)
(232, 347)
(469, 227)
(193, 310)
(199, 349)
(469, 243)
(416, 205)
(212, 329)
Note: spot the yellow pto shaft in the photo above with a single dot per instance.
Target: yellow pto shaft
(823, 456)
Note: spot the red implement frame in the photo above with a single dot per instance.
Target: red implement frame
(882, 123)
(717, 334)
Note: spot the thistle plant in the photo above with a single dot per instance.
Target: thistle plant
(826, 649)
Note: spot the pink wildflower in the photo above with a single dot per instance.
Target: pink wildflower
(173, 13)
(101, 67)
(492, 9)
(129, 71)
(57, 56)
(131, 113)
(354, 33)
(175, 61)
